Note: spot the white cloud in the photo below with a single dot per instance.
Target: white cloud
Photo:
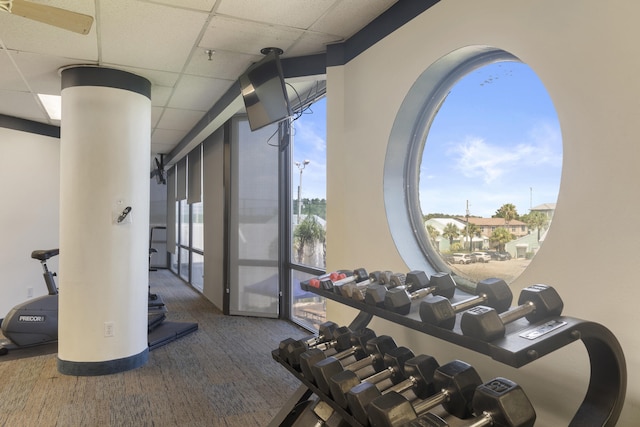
(476, 158)
(310, 144)
(308, 132)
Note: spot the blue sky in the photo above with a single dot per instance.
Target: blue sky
(495, 140)
(310, 142)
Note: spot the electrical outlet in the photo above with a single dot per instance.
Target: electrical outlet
(29, 292)
(109, 329)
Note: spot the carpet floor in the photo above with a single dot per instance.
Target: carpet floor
(221, 375)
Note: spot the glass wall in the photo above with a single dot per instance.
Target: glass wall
(255, 224)
(197, 246)
(175, 260)
(309, 211)
(187, 259)
(254, 279)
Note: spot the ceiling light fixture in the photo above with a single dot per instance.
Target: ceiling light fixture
(52, 104)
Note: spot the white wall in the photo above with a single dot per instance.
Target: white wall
(30, 176)
(586, 53)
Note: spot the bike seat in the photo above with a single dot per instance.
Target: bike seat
(44, 254)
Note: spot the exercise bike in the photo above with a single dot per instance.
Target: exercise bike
(34, 322)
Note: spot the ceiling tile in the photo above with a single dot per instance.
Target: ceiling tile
(175, 119)
(21, 104)
(25, 35)
(228, 34)
(163, 140)
(349, 16)
(160, 95)
(164, 41)
(223, 64)
(11, 79)
(203, 5)
(198, 93)
(311, 43)
(298, 13)
(150, 45)
(41, 71)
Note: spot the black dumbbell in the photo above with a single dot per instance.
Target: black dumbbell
(427, 420)
(457, 382)
(335, 279)
(358, 291)
(318, 413)
(440, 312)
(354, 346)
(535, 303)
(341, 383)
(384, 277)
(497, 403)
(375, 348)
(418, 373)
(374, 293)
(325, 333)
(340, 339)
(349, 287)
(413, 281)
(399, 300)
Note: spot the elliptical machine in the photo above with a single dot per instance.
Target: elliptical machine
(34, 322)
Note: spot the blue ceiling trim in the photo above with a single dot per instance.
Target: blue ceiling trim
(337, 54)
(29, 126)
(105, 77)
(392, 19)
(301, 66)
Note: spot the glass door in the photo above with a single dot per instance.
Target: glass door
(253, 282)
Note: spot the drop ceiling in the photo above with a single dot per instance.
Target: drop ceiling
(167, 42)
(192, 52)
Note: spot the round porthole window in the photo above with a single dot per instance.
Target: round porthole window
(477, 147)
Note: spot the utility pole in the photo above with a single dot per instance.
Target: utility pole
(530, 199)
(301, 166)
(468, 234)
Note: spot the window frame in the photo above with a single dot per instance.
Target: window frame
(289, 266)
(405, 149)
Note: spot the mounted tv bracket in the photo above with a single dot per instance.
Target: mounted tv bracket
(268, 50)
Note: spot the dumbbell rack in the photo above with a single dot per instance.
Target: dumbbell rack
(522, 344)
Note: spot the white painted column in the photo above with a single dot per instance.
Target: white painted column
(103, 267)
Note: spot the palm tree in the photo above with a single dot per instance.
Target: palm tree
(507, 211)
(308, 232)
(472, 231)
(501, 237)
(433, 233)
(451, 232)
(537, 220)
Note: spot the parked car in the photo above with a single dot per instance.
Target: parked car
(460, 258)
(500, 256)
(481, 257)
